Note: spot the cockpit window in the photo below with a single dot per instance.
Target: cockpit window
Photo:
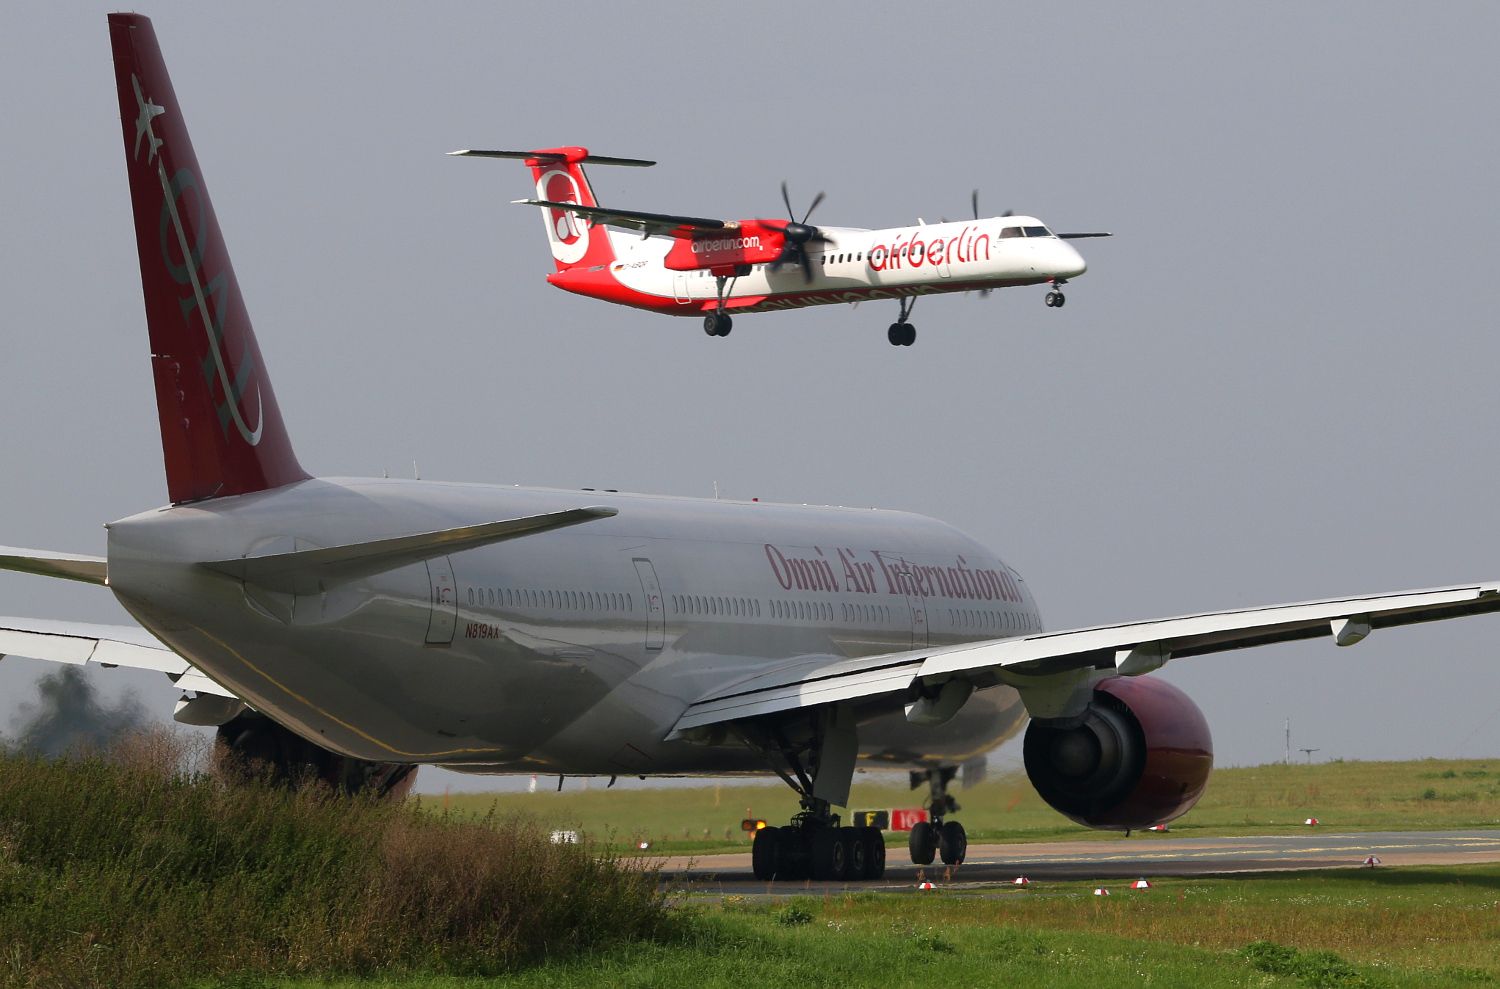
(1036, 232)
(1010, 232)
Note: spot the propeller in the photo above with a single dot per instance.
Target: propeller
(798, 234)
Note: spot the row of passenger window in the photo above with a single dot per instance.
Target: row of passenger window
(867, 614)
(808, 611)
(509, 597)
(708, 604)
(989, 621)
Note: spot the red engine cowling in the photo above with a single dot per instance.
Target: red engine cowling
(1140, 757)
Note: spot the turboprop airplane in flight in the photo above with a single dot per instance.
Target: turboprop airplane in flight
(356, 628)
(690, 265)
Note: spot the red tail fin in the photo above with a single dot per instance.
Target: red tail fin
(221, 431)
(559, 177)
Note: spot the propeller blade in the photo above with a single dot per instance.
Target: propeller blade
(1009, 212)
(786, 198)
(816, 200)
(974, 201)
(807, 275)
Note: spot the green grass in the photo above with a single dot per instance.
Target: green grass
(132, 873)
(1424, 794)
(1377, 928)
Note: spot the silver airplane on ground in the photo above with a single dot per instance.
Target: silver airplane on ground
(354, 629)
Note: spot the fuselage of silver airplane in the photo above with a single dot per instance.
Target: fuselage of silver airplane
(572, 651)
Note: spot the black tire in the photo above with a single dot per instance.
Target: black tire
(791, 853)
(909, 337)
(896, 334)
(953, 843)
(1061, 299)
(874, 843)
(1051, 299)
(711, 324)
(725, 325)
(922, 843)
(765, 853)
(859, 852)
(830, 855)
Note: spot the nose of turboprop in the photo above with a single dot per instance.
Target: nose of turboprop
(1070, 262)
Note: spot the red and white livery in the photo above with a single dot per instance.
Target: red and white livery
(697, 266)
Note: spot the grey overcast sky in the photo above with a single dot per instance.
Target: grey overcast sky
(1276, 382)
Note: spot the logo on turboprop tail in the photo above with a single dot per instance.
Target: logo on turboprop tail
(568, 232)
(176, 189)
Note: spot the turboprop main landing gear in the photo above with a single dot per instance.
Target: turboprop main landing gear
(815, 845)
(902, 333)
(1055, 298)
(935, 837)
(718, 323)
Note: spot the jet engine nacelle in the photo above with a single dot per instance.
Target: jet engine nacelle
(1141, 756)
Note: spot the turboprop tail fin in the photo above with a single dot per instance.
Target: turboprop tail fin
(221, 430)
(559, 177)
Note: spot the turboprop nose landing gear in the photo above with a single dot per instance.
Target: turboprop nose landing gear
(815, 845)
(718, 323)
(936, 837)
(1055, 298)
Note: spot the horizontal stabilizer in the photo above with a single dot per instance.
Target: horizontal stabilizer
(303, 571)
(69, 566)
(552, 156)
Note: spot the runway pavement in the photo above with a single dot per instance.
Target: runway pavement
(1139, 856)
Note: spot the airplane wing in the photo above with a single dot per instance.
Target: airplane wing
(1081, 236)
(77, 643)
(650, 223)
(1046, 665)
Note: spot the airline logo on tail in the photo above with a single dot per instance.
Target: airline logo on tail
(567, 232)
(175, 193)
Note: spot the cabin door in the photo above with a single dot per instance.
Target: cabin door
(656, 612)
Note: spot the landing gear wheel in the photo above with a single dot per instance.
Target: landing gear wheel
(901, 334)
(830, 855)
(910, 336)
(953, 843)
(874, 844)
(765, 853)
(717, 324)
(922, 843)
(1056, 299)
(859, 852)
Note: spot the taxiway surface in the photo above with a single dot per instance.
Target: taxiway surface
(1140, 856)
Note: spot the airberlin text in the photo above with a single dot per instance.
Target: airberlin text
(875, 572)
(966, 245)
(726, 244)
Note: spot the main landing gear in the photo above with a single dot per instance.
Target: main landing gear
(718, 323)
(820, 768)
(936, 837)
(1055, 299)
(902, 333)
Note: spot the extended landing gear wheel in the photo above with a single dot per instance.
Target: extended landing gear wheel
(901, 334)
(830, 855)
(953, 843)
(1056, 299)
(765, 853)
(922, 843)
(717, 324)
(874, 858)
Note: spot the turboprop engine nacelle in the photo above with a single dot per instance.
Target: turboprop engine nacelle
(1140, 756)
(746, 242)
